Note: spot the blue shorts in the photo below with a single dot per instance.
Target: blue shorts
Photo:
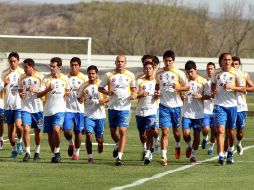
(53, 120)
(208, 120)
(34, 120)
(12, 115)
(76, 119)
(188, 123)
(118, 118)
(144, 123)
(1, 114)
(169, 117)
(94, 125)
(241, 120)
(225, 116)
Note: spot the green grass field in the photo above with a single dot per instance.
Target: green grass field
(103, 174)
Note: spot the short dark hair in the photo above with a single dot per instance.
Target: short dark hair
(190, 65)
(14, 54)
(211, 63)
(156, 60)
(92, 67)
(58, 60)
(29, 62)
(236, 58)
(147, 56)
(76, 59)
(169, 53)
(148, 63)
(222, 56)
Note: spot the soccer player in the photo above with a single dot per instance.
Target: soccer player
(12, 102)
(31, 107)
(208, 120)
(193, 110)
(74, 112)
(242, 107)
(170, 82)
(1, 115)
(146, 111)
(56, 89)
(121, 89)
(225, 83)
(94, 111)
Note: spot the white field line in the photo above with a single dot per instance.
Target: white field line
(159, 175)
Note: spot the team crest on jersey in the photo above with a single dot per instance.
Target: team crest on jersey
(79, 82)
(230, 78)
(35, 82)
(29, 82)
(113, 80)
(86, 91)
(127, 80)
(160, 77)
(143, 87)
(172, 77)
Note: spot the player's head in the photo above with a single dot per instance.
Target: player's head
(92, 72)
(168, 59)
(225, 61)
(120, 62)
(13, 60)
(75, 64)
(191, 69)
(29, 66)
(147, 57)
(149, 68)
(55, 65)
(236, 62)
(210, 68)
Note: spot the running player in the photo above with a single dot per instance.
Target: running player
(193, 110)
(170, 82)
(225, 83)
(208, 120)
(242, 107)
(146, 111)
(56, 89)
(74, 112)
(31, 107)
(121, 89)
(94, 111)
(12, 102)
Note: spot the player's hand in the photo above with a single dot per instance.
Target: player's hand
(145, 94)
(228, 86)
(32, 89)
(111, 93)
(133, 96)
(22, 94)
(197, 96)
(51, 87)
(6, 81)
(157, 95)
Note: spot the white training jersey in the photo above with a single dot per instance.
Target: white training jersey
(72, 104)
(120, 84)
(31, 103)
(12, 100)
(146, 105)
(208, 104)
(93, 109)
(193, 108)
(169, 97)
(241, 96)
(224, 97)
(55, 99)
(1, 94)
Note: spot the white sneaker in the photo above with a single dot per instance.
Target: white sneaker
(147, 159)
(239, 150)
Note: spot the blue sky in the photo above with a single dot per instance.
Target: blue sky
(215, 6)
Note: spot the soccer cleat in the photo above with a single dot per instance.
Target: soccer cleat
(14, 154)
(36, 156)
(230, 157)
(164, 161)
(118, 162)
(26, 157)
(193, 160)
(57, 157)
(178, 153)
(70, 150)
(20, 148)
(90, 161)
(188, 152)
(239, 149)
(204, 143)
(147, 159)
(115, 152)
(100, 148)
(143, 155)
(53, 159)
(75, 157)
(1, 145)
(210, 151)
(221, 160)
